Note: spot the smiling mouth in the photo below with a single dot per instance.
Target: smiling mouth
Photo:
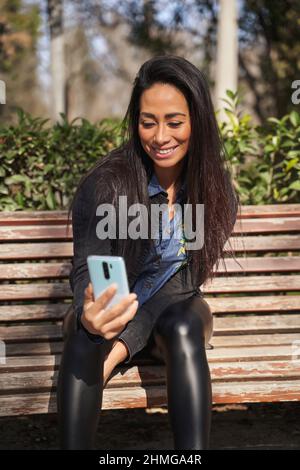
(164, 153)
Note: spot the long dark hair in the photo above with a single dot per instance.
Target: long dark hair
(126, 170)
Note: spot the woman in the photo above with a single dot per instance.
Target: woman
(171, 154)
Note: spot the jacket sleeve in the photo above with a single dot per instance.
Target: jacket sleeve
(138, 330)
(85, 242)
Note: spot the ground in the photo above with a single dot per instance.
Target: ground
(251, 426)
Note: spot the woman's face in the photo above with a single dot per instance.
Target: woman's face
(164, 124)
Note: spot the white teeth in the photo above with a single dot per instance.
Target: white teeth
(166, 151)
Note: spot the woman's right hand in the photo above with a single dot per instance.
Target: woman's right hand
(109, 322)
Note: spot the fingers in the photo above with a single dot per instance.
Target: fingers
(88, 291)
(117, 310)
(88, 296)
(102, 301)
(120, 321)
(108, 321)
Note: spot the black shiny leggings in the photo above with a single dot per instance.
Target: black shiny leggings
(179, 338)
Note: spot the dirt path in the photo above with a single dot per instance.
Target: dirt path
(255, 426)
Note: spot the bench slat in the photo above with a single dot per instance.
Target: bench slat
(267, 225)
(28, 366)
(35, 232)
(25, 333)
(275, 210)
(54, 290)
(39, 379)
(58, 216)
(55, 347)
(56, 232)
(261, 243)
(225, 305)
(35, 349)
(279, 323)
(32, 217)
(37, 291)
(260, 304)
(262, 264)
(48, 250)
(33, 312)
(20, 271)
(156, 396)
(257, 323)
(253, 355)
(35, 251)
(252, 284)
(271, 210)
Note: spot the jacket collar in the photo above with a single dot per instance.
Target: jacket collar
(154, 188)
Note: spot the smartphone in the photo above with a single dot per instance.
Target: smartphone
(106, 270)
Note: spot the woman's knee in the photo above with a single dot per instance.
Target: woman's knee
(191, 317)
(78, 347)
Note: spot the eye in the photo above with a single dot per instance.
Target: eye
(175, 124)
(150, 124)
(147, 124)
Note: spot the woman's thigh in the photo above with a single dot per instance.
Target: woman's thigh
(70, 330)
(193, 312)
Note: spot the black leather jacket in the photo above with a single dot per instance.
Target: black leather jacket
(85, 242)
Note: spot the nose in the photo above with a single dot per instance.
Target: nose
(161, 135)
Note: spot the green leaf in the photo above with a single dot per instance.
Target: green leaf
(231, 94)
(50, 200)
(291, 164)
(295, 118)
(295, 185)
(15, 179)
(274, 120)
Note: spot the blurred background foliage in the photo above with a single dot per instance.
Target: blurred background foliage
(104, 44)
(107, 40)
(265, 158)
(40, 165)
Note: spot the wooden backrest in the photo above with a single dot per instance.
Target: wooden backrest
(255, 306)
(36, 251)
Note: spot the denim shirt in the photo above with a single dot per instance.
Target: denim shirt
(168, 254)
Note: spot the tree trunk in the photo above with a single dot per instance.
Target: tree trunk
(227, 52)
(55, 20)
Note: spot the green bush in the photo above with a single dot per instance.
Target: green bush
(265, 159)
(41, 165)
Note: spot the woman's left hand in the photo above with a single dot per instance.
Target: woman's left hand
(117, 354)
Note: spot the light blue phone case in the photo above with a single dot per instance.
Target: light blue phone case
(117, 272)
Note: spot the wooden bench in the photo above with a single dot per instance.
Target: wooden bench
(256, 355)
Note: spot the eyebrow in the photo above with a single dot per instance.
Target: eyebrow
(169, 115)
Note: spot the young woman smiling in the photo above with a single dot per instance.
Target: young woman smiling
(171, 153)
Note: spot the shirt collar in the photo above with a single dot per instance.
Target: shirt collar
(155, 188)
